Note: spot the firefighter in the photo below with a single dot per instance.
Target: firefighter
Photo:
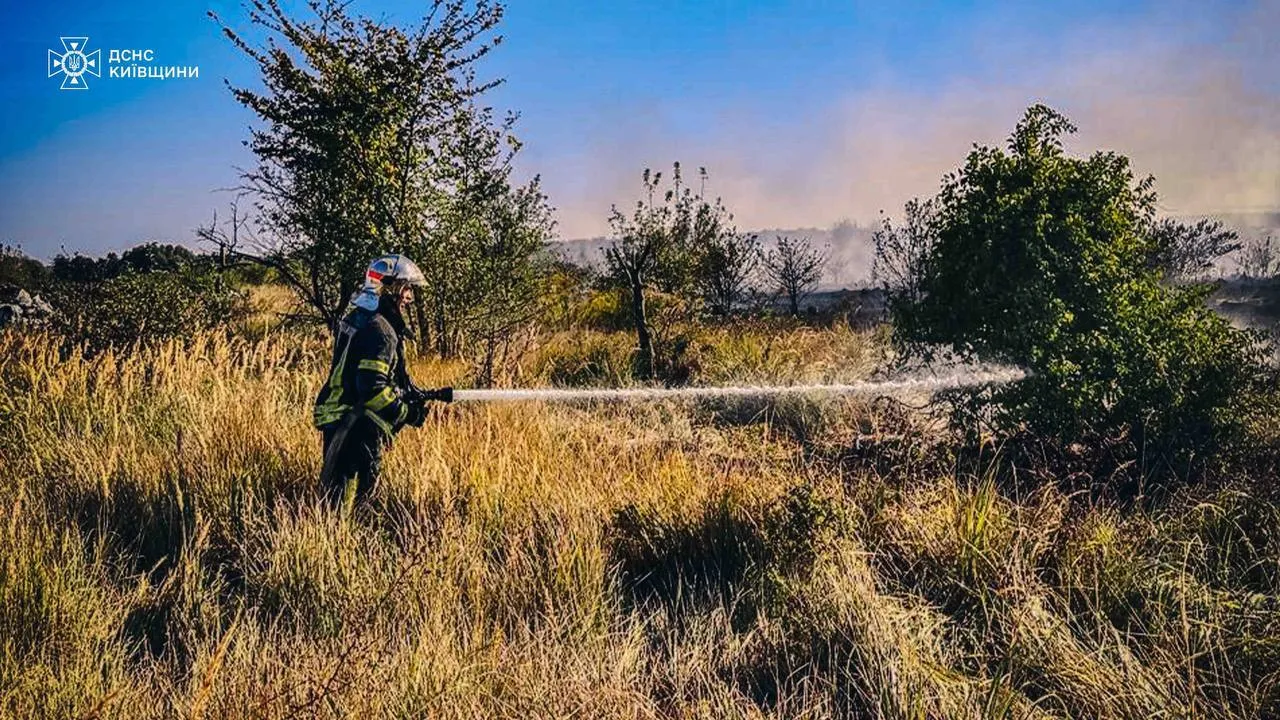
(368, 397)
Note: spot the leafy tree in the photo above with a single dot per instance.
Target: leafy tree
(150, 257)
(482, 254)
(21, 271)
(1045, 261)
(794, 266)
(82, 268)
(360, 135)
(143, 258)
(658, 247)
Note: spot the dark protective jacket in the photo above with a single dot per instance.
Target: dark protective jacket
(367, 374)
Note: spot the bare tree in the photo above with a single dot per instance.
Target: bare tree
(900, 251)
(1259, 258)
(229, 237)
(1187, 251)
(794, 266)
(727, 268)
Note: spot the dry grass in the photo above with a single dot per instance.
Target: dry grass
(760, 352)
(163, 555)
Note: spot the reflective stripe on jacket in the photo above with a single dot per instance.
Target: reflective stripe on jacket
(367, 373)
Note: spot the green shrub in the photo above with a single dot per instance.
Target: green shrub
(603, 310)
(144, 308)
(18, 270)
(1051, 263)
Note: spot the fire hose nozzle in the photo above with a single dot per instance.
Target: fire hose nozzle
(444, 394)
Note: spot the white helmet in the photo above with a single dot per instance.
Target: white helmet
(387, 270)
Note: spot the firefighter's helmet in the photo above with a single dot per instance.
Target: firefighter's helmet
(388, 270)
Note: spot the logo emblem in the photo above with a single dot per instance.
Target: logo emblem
(74, 63)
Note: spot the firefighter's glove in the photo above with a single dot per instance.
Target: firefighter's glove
(417, 412)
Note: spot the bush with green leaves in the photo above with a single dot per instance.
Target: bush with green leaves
(141, 308)
(19, 270)
(1052, 263)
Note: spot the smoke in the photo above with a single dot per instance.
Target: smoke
(1188, 91)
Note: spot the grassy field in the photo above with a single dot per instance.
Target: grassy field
(163, 554)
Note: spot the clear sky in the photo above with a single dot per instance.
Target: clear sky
(805, 112)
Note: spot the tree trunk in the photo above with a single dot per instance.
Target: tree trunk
(442, 335)
(794, 297)
(486, 370)
(425, 335)
(644, 342)
(333, 319)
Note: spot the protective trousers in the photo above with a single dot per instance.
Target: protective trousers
(359, 457)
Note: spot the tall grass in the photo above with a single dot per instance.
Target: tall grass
(163, 554)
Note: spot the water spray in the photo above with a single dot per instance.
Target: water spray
(868, 387)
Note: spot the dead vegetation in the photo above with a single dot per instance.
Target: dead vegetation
(164, 555)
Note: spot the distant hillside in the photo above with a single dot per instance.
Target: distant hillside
(850, 247)
(852, 250)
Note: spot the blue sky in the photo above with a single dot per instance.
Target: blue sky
(805, 112)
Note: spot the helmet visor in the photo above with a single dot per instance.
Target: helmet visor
(408, 272)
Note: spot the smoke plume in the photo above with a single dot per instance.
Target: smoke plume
(1188, 92)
